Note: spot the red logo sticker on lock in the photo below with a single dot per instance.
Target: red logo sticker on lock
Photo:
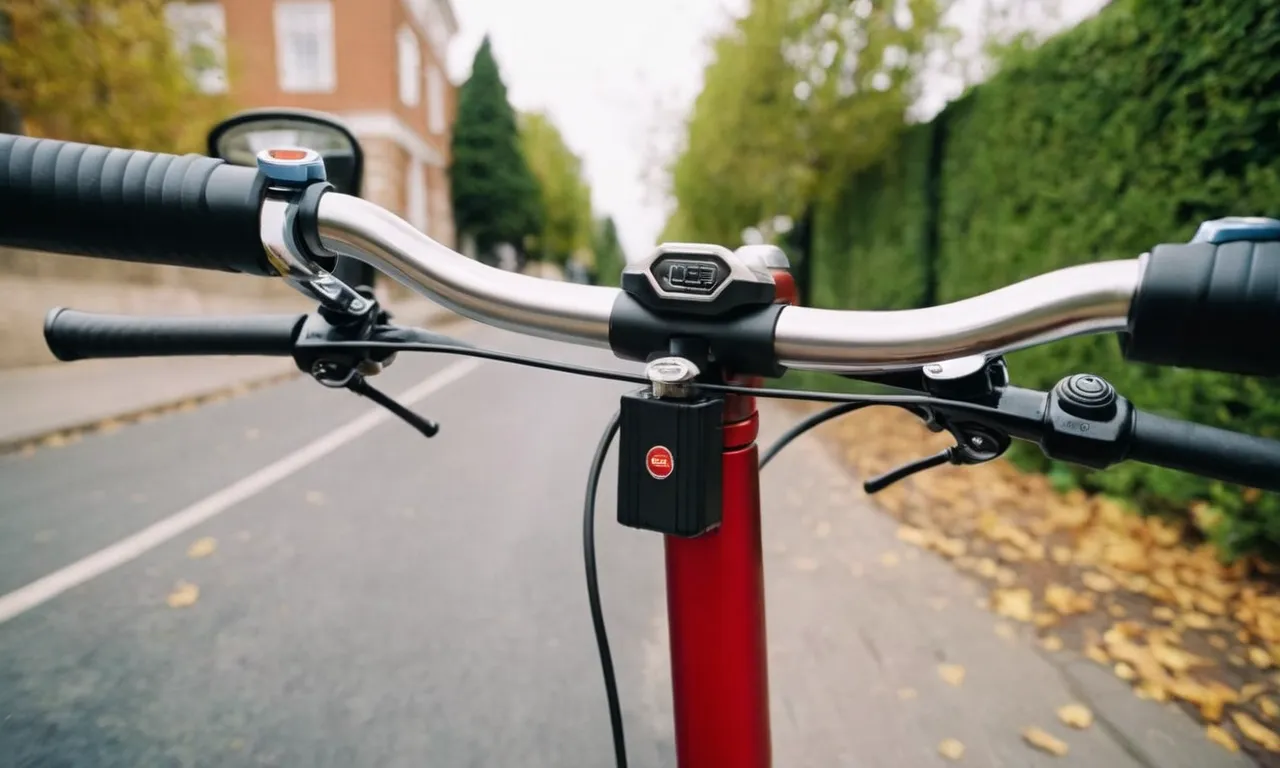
(660, 462)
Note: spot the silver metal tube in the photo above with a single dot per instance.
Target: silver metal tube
(1091, 298)
(508, 300)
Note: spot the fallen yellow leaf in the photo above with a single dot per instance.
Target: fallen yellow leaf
(1075, 715)
(1125, 672)
(1098, 582)
(1051, 643)
(1066, 600)
(1269, 707)
(1013, 603)
(1116, 610)
(1176, 659)
(914, 536)
(1163, 613)
(1061, 555)
(1196, 620)
(952, 548)
(1218, 641)
(1211, 605)
(952, 673)
(1005, 631)
(1044, 741)
(1095, 652)
(1256, 732)
(1220, 737)
(183, 595)
(202, 547)
(1260, 658)
(1250, 690)
(951, 749)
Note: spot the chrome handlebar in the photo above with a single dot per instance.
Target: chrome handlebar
(1092, 298)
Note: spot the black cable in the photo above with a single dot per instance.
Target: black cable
(593, 591)
(807, 424)
(913, 403)
(487, 354)
(922, 401)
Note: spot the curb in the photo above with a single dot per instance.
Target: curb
(57, 437)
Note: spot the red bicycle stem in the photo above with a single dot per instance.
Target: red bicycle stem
(716, 608)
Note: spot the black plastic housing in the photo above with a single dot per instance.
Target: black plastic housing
(1208, 306)
(741, 343)
(128, 205)
(687, 502)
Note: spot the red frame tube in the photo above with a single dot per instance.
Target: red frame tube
(716, 613)
(715, 606)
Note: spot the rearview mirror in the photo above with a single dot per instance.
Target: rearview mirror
(239, 138)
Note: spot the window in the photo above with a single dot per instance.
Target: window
(416, 198)
(429, 15)
(304, 46)
(409, 59)
(200, 36)
(435, 100)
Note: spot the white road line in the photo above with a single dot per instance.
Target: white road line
(42, 590)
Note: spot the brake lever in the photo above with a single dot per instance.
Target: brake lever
(975, 444)
(362, 387)
(877, 484)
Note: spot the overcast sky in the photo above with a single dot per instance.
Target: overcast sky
(616, 76)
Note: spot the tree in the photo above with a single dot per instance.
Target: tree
(565, 196)
(609, 256)
(104, 72)
(798, 95)
(495, 196)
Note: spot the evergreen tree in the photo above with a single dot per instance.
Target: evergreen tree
(609, 256)
(495, 196)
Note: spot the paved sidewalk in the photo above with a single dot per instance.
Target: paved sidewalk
(41, 400)
(861, 626)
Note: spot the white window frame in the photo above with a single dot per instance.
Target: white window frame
(417, 199)
(306, 60)
(204, 25)
(409, 65)
(436, 88)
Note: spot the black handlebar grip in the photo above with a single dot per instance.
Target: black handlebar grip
(129, 205)
(73, 335)
(1228, 456)
(1202, 305)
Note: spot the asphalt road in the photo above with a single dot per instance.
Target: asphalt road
(408, 602)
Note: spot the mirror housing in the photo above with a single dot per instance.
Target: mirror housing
(239, 138)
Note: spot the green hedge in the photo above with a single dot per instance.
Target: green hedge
(869, 242)
(1123, 133)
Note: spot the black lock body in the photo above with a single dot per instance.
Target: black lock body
(669, 463)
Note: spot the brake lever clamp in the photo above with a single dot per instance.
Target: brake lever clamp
(336, 368)
(975, 379)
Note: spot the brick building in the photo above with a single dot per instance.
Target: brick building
(377, 64)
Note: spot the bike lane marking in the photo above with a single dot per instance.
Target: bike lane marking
(44, 589)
